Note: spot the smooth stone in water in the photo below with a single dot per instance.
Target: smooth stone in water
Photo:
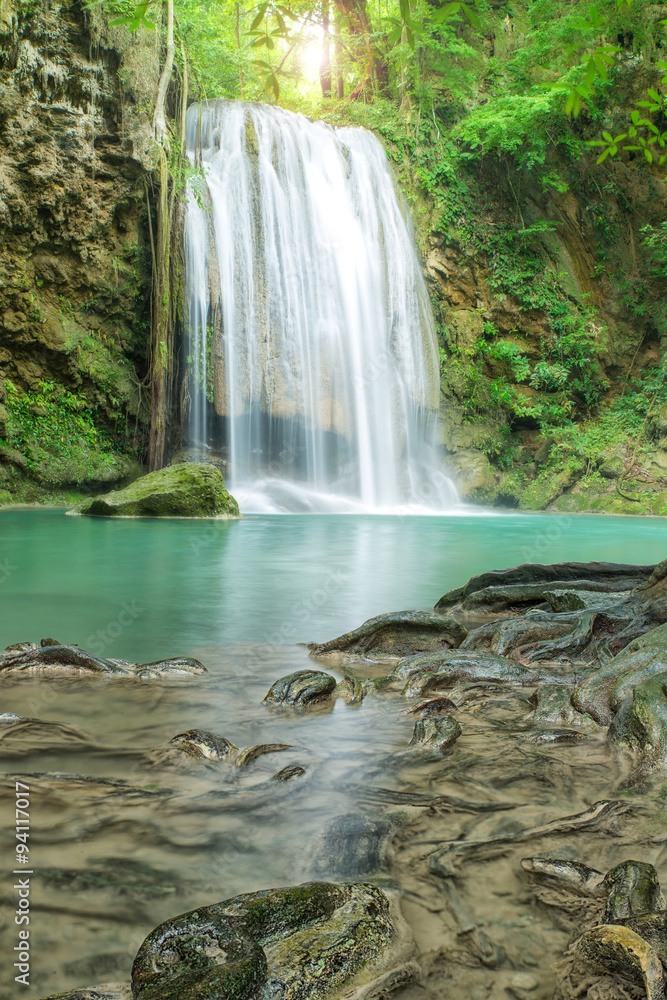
(289, 772)
(200, 744)
(438, 733)
(401, 633)
(302, 688)
(70, 660)
(524, 981)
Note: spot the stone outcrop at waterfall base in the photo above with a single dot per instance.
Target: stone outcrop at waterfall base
(191, 489)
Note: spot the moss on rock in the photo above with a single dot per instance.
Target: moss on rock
(191, 489)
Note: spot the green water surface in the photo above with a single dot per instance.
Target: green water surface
(151, 588)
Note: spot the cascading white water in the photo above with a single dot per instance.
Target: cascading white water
(313, 367)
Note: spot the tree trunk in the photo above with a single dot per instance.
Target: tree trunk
(162, 334)
(373, 66)
(325, 62)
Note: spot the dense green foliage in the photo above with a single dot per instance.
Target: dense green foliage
(56, 436)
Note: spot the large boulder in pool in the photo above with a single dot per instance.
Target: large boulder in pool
(191, 489)
(530, 584)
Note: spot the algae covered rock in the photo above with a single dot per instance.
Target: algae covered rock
(192, 489)
(437, 734)
(302, 942)
(301, 689)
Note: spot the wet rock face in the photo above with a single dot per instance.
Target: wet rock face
(527, 585)
(301, 942)
(302, 689)
(192, 489)
(401, 633)
(75, 146)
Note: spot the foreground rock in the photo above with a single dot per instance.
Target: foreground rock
(603, 692)
(310, 940)
(630, 938)
(302, 689)
(401, 633)
(192, 489)
(581, 636)
(315, 941)
(52, 659)
(418, 675)
(527, 585)
(435, 734)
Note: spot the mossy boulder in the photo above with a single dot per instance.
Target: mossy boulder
(188, 490)
(311, 941)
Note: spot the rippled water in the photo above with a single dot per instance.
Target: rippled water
(112, 861)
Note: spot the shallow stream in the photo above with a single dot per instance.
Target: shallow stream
(111, 860)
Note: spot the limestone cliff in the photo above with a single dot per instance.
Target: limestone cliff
(75, 140)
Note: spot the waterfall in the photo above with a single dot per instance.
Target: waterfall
(313, 369)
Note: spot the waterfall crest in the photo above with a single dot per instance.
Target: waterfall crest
(312, 359)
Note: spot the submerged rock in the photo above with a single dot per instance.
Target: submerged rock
(199, 744)
(401, 633)
(527, 585)
(28, 658)
(351, 846)
(552, 707)
(192, 489)
(437, 733)
(309, 941)
(302, 689)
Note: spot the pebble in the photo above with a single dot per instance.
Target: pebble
(479, 993)
(524, 981)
